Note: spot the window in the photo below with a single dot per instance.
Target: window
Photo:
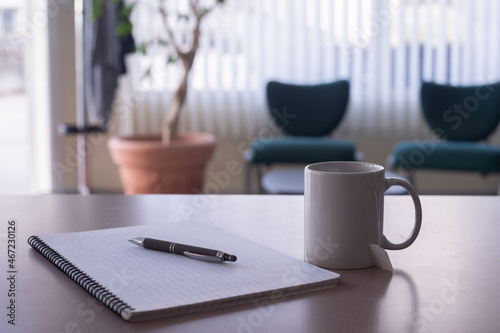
(385, 48)
(8, 20)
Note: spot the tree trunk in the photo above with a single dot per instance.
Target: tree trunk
(170, 123)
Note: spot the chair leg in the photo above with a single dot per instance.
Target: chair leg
(410, 173)
(389, 161)
(259, 179)
(248, 178)
(411, 177)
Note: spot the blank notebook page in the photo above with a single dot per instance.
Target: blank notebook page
(158, 284)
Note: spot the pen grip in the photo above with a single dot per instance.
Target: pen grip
(177, 248)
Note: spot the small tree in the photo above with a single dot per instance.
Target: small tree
(185, 51)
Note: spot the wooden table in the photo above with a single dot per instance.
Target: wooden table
(447, 281)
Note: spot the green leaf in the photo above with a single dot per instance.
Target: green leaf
(147, 73)
(171, 59)
(97, 9)
(162, 42)
(142, 48)
(123, 29)
(126, 11)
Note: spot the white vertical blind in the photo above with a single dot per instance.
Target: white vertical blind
(441, 63)
(494, 43)
(482, 36)
(329, 53)
(400, 72)
(456, 36)
(414, 63)
(356, 87)
(468, 63)
(385, 48)
(429, 38)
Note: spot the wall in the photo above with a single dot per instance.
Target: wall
(48, 34)
(63, 94)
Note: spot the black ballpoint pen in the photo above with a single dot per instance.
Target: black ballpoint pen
(194, 252)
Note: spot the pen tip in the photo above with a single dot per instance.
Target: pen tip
(136, 240)
(230, 257)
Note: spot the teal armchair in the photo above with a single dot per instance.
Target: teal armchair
(306, 114)
(461, 119)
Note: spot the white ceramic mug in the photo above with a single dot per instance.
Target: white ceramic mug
(344, 210)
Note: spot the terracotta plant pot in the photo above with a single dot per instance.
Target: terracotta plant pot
(147, 166)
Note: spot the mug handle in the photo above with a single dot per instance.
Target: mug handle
(385, 243)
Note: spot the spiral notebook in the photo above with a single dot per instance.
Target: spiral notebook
(141, 284)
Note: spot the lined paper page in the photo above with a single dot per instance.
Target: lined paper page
(151, 280)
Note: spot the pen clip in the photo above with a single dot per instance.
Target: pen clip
(203, 257)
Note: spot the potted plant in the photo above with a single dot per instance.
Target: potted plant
(170, 162)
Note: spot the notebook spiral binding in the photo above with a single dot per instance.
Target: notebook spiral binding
(77, 275)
